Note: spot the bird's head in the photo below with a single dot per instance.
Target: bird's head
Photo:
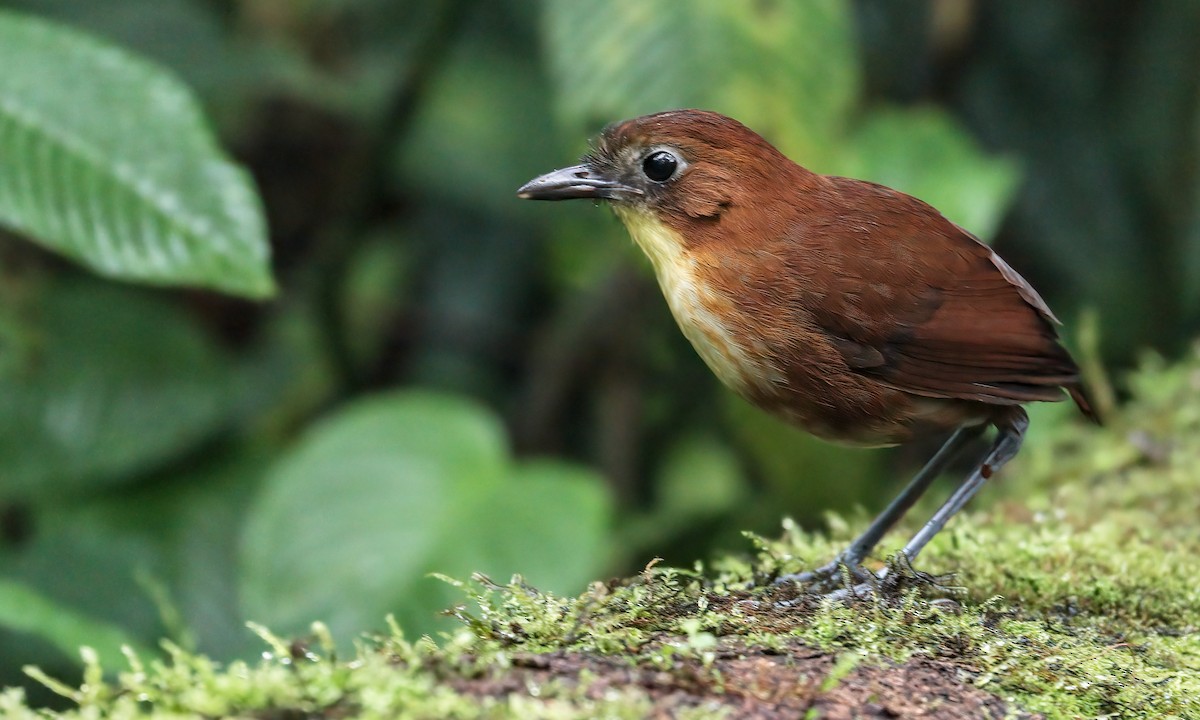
(674, 171)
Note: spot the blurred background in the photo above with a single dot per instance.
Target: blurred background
(452, 380)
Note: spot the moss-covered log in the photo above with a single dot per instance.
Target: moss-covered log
(1078, 597)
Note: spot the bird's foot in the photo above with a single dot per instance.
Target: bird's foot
(839, 573)
(840, 581)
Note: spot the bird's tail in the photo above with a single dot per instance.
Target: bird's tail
(1080, 395)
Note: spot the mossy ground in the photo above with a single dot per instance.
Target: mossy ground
(1079, 599)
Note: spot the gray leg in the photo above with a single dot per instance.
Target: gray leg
(853, 555)
(1006, 445)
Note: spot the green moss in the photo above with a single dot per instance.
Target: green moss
(1078, 598)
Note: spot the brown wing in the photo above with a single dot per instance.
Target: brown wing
(947, 317)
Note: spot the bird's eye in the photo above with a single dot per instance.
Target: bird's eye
(660, 166)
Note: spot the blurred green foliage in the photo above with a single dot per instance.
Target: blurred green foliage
(150, 201)
(398, 486)
(175, 461)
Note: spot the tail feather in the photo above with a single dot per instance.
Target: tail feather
(1079, 394)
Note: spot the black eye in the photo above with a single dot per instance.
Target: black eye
(660, 166)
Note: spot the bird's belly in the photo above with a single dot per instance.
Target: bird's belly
(846, 408)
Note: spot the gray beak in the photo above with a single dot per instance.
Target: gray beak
(575, 182)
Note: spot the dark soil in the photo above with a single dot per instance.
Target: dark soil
(749, 682)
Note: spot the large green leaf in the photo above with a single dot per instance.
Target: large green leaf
(353, 520)
(107, 160)
(787, 69)
(112, 383)
(347, 519)
(549, 521)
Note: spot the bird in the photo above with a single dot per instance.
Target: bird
(856, 312)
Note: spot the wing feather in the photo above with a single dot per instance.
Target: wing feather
(948, 318)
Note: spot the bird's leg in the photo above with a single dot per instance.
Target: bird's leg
(853, 555)
(1004, 448)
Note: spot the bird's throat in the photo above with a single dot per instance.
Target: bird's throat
(664, 246)
(704, 314)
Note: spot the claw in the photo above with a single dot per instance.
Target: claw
(829, 577)
(839, 580)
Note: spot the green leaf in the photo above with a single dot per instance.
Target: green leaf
(789, 70)
(925, 153)
(700, 477)
(114, 383)
(352, 521)
(549, 521)
(108, 161)
(348, 519)
(24, 610)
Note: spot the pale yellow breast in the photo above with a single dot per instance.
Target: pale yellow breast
(697, 307)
